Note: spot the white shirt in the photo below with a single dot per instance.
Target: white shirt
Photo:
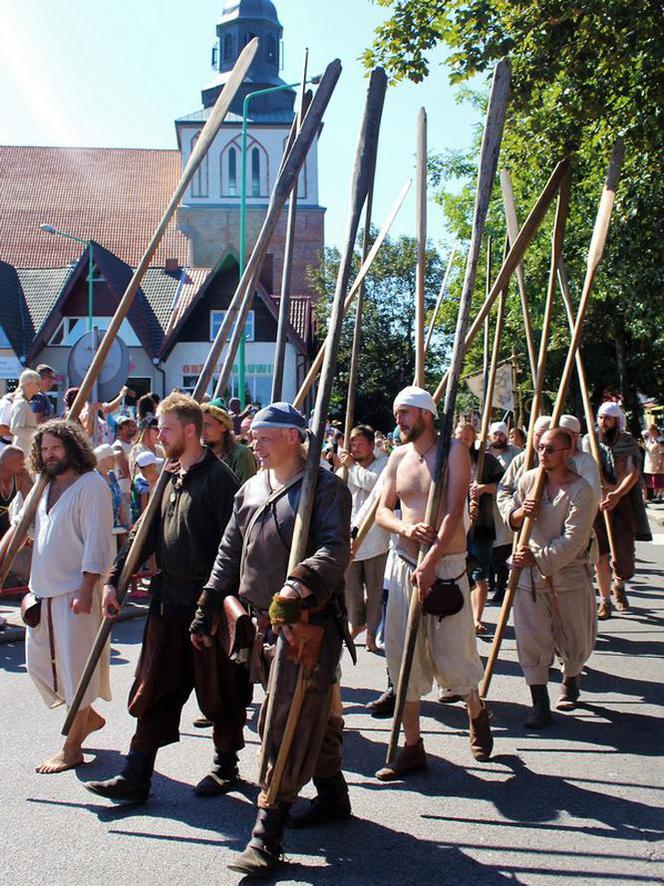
(361, 483)
(76, 536)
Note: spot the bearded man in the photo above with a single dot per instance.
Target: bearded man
(195, 507)
(73, 549)
(218, 435)
(623, 502)
(446, 649)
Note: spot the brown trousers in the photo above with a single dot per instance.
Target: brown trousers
(169, 669)
(622, 523)
(316, 748)
(365, 577)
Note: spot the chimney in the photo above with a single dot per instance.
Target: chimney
(172, 266)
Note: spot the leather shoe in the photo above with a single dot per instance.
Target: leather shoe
(569, 695)
(410, 759)
(383, 706)
(481, 740)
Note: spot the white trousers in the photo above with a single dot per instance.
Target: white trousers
(446, 649)
(72, 638)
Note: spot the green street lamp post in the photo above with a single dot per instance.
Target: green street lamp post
(50, 229)
(243, 207)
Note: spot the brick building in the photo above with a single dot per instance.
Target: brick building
(114, 198)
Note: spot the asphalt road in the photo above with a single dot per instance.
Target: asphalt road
(581, 803)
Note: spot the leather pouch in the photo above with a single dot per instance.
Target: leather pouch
(444, 598)
(31, 610)
(237, 630)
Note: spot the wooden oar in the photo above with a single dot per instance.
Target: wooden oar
(585, 396)
(421, 228)
(203, 143)
(351, 393)
(284, 301)
(514, 256)
(491, 140)
(512, 222)
(365, 160)
(439, 300)
(315, 367)
(280, 193)
(595, 251)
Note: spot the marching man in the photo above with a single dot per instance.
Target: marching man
(554, 605)
(446, 648)
(254, 555)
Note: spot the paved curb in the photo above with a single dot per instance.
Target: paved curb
(16, 633)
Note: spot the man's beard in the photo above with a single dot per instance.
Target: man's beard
(55, 468)
(608, 435)
(174, 451)
(500, 444)
(412, 434)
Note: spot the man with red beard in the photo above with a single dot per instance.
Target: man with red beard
(623, 501)
(184, 536)
(446, 648)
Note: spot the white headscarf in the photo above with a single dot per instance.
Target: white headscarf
(570, 423)
(417, 397)
(613, 411)
(498, 427)
(542, 424)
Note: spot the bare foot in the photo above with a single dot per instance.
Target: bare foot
(94, 722)
(371, 643)
(60, 762)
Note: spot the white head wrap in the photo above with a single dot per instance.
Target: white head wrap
(498, 427)
(104, 451)
(417, 397)
(570, 423)
(613, 411)
(542, 424)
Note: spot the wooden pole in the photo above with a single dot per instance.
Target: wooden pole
(487, 332)
(512, 222)
(312, 374)
(585, 396)
(421, 225)
(516, 253)
(595, 251)
(203, 143)
(357, 337)
(284, 301)
(439, 300)
(491, 140)
(365, 160)
(280, 193)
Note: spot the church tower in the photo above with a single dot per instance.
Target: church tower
(210, 213)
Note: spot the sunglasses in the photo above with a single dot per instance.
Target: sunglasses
(544, 447)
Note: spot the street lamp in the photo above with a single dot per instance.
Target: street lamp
(51, 229)
(243, 204)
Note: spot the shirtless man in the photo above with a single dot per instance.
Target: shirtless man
(446, 648)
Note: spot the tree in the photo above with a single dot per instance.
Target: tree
(387, 361)
(582, 73)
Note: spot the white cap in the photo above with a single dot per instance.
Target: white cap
(498, 427)
(417, 397)
(570, 423)
(104, 451)
(147, 457)
(542, 424)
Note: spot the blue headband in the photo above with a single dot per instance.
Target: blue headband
(280, 415)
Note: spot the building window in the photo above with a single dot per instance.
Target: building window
(217, 318)
(257, 383)
(231, 187)
(199, 185)
(228, 48)
(270, 49)
(255, 172)
(97, 276)
(301, 179)
(71, 329)
(248, 37)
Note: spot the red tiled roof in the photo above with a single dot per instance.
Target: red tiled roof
(115, 196)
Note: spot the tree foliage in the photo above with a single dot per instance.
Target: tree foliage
(387, 359)
(582, 74)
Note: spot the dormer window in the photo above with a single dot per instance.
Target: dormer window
(255, 172)
(228, 48)
(270, 49)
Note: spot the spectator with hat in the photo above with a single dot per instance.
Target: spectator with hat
(219, 436)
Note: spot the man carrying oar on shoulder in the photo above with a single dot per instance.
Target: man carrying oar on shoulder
(253, 562)
(446, 648)
(554, 605)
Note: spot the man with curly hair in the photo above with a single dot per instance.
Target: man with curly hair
(73, 549)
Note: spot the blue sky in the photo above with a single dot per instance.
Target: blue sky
(117, 74)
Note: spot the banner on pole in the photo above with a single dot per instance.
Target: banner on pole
(503, 390)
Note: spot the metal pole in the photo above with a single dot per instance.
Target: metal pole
(90, 285)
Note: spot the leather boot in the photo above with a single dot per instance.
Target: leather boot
(410, 759)
(264, 851)
(540, 714)
(132, 785)
(569, 695)
(619, 595)
(481, 740)
(331, 804)
(223, 777)
(383, 706)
